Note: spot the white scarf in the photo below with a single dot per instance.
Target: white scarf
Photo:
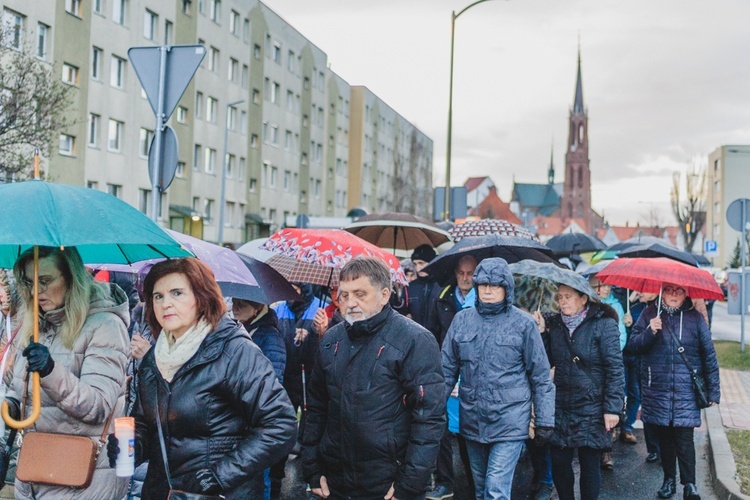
(171, 354)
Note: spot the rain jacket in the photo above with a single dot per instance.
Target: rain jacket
(376, 410)
(592, 387)
(224, 410)
(265, 334)
(667, 395)
(86, 384)
(504, 369)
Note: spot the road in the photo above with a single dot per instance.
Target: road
(725, 326)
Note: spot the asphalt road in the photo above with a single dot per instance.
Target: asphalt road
(632, 477)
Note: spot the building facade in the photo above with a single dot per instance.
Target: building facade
(287, 118)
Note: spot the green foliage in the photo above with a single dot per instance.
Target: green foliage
(739, 441)
(730, 356)
(736, 260)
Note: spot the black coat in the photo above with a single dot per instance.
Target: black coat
(667, 395)
(582, 400)
(376, 408)
(443, 309)
(420, 292)
(224, 410)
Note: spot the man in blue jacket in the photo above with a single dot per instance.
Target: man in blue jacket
(499, 353)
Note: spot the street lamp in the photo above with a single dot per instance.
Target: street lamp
(224, 171)
(454, 16)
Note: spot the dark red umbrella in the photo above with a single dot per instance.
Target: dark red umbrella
(650, 274)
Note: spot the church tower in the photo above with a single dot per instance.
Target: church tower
(576, 200)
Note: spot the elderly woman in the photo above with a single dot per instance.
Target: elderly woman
(583, 346)
(263, 327)
(207, 390)
(668, 401)
(81, 358)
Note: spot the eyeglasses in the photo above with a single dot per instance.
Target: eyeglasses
(671, 290)
(44, 283)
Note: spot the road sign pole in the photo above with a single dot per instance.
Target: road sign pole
(743, 306)
(158, 130)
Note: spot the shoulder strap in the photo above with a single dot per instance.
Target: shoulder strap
(681, 350)
(161, 442)
(576, 359)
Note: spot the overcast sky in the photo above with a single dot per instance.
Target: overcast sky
(665, 82)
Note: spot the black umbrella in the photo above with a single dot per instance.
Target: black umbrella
(574, 243)
(658, 250)
(702, 260)
(481, 247)
(273, 286)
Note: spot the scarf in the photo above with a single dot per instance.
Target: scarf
(171, 354)
(572, 322)
(465, 301)
(670, 310)
(492, 309)
(248, 327)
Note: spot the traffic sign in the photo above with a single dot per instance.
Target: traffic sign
(710, 248)
(169, 160)
(182, 62)
(734, 213)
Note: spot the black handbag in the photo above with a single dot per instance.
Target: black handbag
(699, 382)
(175, 494)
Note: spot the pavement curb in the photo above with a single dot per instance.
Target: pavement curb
(721, 460)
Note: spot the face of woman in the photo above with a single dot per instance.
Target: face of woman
(243, 311)
(673, 295)
(174, 304)
(570, 301)
(52, 284)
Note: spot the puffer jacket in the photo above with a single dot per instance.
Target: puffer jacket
(224, 410)
(592, 387)
(375, 411)
(265, 334)
(85, 386)
(667, 395)
(503, 367)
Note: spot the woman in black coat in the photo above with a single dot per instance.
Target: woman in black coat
(224, 416)
(668, 399)
(583, 346)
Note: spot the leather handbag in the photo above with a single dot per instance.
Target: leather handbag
(59, 459)
(699, 382)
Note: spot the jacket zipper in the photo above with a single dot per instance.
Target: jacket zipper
(372, 370)
(649, 376)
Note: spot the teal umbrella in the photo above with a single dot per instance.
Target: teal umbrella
(102, 227)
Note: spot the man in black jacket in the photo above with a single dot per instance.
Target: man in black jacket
(421, 289)
(376, 401)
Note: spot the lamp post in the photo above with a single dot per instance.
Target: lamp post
(224, 171)
(454, 16)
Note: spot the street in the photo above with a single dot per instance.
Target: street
(723, 325)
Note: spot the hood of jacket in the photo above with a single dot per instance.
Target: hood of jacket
(495, 271)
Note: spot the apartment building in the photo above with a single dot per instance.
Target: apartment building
(728, 178)
(287, 118)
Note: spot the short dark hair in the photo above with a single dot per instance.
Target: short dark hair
(209, 300)
(372, 267)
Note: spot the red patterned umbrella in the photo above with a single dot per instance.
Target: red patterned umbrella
(649, 274)
(314, 255)
(483, 227)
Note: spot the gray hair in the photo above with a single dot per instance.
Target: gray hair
(372, 267)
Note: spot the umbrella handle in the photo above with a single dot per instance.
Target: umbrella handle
(36, 405)
(627, 299)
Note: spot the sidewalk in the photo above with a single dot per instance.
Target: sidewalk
(732, 413)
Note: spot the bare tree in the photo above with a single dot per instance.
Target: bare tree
(33, 103)
(654, 221)
(690, 212)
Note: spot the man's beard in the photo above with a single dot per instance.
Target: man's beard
(349, 319)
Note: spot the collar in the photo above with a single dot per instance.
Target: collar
(369, 326)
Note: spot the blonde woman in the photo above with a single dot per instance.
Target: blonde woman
(81, 358)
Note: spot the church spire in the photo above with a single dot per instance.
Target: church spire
(578, 104)
(551, 171)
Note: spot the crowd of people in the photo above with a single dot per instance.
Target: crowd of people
(369, 383)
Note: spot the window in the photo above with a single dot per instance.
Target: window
(264, 173)
(69, 74)
(274, 135)
(245, 76)
(287, 180)
(118, 11)
(211, 106)
(276, 53)
(210, 161)
(180, 172)
(98, 6)
(67, 145)
(208, 210)
(144, 142)
(73, 7)
(117, 72)
(242, 167)
(231, 162)
(92, 184)
(288, 140)
(144, 200)
(187, 7)
(232, 118)
(150, 21)
(214, 12)
(256, 51)
(256, 96)
(197, 155)
(198, 104)
(213, 59)
(289, 100)
(234, 22)
(234, 67)
(114, 190)
(254, 141)
(291, 60)
(182, 114)
(96, 63)
(228, 213)
(93, 127)
(246, 30)
(243, 122)
(168, 30)
(274, 174)
(42, 34)
(317, 188)
(114, 141)
(196, 203)
(253, 185)
(272, 214)
(275, 91)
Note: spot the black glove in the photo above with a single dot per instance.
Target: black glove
(113, 449)
(39, 359)
(14, 408)
(542, 435)
(207, 482)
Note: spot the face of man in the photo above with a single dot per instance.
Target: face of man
(464, 275)
(491, 294)
(420, 264)
(602, 289)
(360, 300)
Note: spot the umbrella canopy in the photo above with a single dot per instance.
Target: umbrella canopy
(533, 294)
(102, 227)
(314, 255)
(547, 271)
(639, 241)
(595, 269)
(574, 243)
(481, 247)
(602, 255)
(272, 283)
(484, 227)
(396, 230)
(649, 274)
(702, 260)
(658, 249)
